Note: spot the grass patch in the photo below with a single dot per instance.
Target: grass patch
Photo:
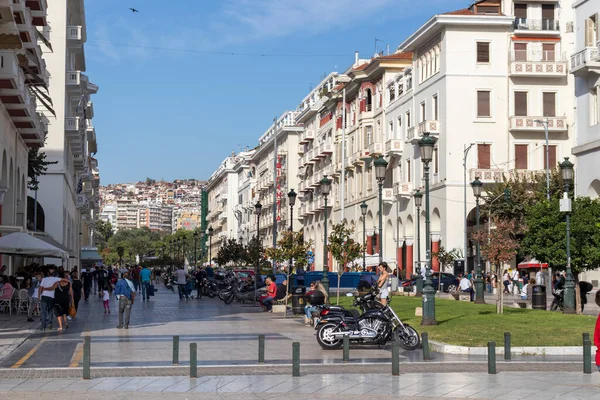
(467, 324)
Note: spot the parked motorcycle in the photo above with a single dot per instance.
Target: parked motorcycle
(377, 325)
(559, 294)
(241, 294)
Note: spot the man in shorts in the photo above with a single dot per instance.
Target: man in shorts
(383, 282)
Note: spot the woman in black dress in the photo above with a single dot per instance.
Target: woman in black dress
(63, 296)
(77, 289)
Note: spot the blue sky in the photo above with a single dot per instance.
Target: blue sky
(170, 106)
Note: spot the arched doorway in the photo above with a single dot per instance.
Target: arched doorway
(594, 189)
(41, 217)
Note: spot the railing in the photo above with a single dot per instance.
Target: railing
(368, 107)
(387, 195)
(486, 175)
(73, 78)
(410, 133)
(375, 148)
(548, 63)
(528, 24)
(583, 57)
(403, 188)
(74, 33)
(531, 123)
(393, 146)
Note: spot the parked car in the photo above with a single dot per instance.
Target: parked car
(449, 282)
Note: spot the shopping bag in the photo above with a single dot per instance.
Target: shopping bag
(150, 290)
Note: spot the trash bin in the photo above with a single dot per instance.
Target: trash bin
(298, 299)
(538, 297)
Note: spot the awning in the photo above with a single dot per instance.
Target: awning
(50, 240)
(90, 255)
(532, 263)
(23, 244)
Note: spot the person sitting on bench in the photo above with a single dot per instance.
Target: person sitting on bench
(466, 287)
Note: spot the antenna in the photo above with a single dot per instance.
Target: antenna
(376, 40)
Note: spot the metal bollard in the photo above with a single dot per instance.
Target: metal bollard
(425, 343)
(86, 357)
(296, 359)
(193, 360)
(587, 354)
(395, 359)
(261, 348)
(492, 358)
(175, 350)
(346, 348)
(507, 352)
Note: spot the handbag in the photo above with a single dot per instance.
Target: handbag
(72, 311)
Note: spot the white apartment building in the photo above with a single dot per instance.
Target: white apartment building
(244, 209)
(66, 192)
(585, 66)
(274, 167)
(128, 214)
(109, 214)
(23, 77)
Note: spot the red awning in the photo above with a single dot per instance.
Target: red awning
(533, 263)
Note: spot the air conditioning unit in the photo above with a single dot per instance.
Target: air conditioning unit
(569, 28)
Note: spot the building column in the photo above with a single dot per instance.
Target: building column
(435, 247)
(409, 258)
(399, 246)
(369, 244)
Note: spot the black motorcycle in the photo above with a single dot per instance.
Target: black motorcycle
(377, 325)
(559, 294)
(242, 294)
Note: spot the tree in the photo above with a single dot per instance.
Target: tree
(500, 247)
(103, 231)
(344, 249)
(446, 258)
(231, 252)
(120, 252)
(291, 246)
(37, 166)
(255, 252)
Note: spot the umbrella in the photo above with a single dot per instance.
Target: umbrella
(532, 263)
(23, 244)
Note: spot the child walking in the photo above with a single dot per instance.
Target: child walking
(105, 299)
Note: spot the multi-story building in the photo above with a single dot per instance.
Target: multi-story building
(66, 192)
(187, 219)
(166, 216)
(109, 214)
(244, 209)
(274, 167)
(585, 66)
(127, 214)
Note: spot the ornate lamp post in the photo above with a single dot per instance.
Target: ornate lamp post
(566, 168)
(210, 233)
(325, 189)
(380, 170)
(257, 211)
(418, 196)
(292, 200)
(363, 211)
(195, 248)
(164, 249)
(477, 186)
(426, 144)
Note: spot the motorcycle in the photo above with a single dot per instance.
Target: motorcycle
(558, 299)
(557, 302)
(241, 293)
(377, 325)
(169, 282)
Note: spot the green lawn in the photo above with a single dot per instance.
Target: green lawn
(467, 324)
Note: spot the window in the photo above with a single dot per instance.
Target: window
(551, 156)
(483, 104)
(368, 135)
(436, 160)
(549, 105)
(521, 11)
(521, 104)
(422, 112)
(435, 107)
(483, 156)
(591, 31)
(391, 131)
(408, 170)
(520, 51)
(548, 53)
(547, 14)
(408, 119)
(392, 93)
(483, 52)
(520, 156)
(594, 105)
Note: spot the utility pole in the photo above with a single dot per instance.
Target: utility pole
(465, 154)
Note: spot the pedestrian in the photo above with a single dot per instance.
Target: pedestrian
(125, 292)
(145, 275)
(506, 281)
(86, 276)
(515, 281)
(77, 289)
(101, 276)
(383, 282)
(106, 298)
(63, 298)
(46, 295)
(135, 277)
(488, 282)
(34, 295)
(467, 287)
(181, 282)
(597, 333)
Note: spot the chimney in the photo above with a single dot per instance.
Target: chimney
(356, 58)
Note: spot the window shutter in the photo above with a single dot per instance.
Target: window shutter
(549, 104)
(483, 52)
(520, 51)
(552, 157)
(521, 104)
(548, 12)
(408, 170)
(589, 32)
(483, 104)
(483, 156)
(521, 156)
(521, 11)
(548, 52)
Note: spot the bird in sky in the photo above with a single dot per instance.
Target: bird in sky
(133, 10)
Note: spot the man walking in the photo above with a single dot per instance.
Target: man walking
(515, 281)
(87, 283)
(181, 282)
(145, 275)
(125, 292)
(46, 294)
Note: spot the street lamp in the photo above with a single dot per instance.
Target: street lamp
(363, 211)
(380, 170)
(292, 200)
(566, 168)
(325, 189)
(426, 144)
(257, 210)
(210, 233)
(479, 299)
(195, 248)
(164, 249)
(418, 196)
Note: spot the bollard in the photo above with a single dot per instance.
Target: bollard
(587, 354)
(296, 359)
(425, 343)
(193, 360)
(491, 357)
(395, 359)
(346, 348)
(507, 351)
(261, 348)
(86, 357)
(175, 350)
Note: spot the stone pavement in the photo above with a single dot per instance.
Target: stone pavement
(505, 386)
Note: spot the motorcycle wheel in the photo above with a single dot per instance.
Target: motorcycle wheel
(407, 338)
(325, 338)
(223, 294)
(211, 294)
(229, 299)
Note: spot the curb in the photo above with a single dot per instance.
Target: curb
(524, 350)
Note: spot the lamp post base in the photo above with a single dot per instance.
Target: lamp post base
(479, 291)
(428, 306)
(325, 280)
(419, 285)
(569, 298)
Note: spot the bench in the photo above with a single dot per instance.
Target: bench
(522, 304)
(461, 296)
(280, 306)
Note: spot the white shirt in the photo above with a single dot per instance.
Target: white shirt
(524, 290)
(465, 283)
(47, 282)
(105, 295)
(515, 275)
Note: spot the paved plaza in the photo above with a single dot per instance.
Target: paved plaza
(38, 364)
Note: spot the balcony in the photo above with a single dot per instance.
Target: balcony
(74, 81)
(300, 149)
(75, 35)
(534, 124)
(325, 149)
(39, 9)
(587, 60)
(394, 147)
(403, 188)
(375, 149)
(387, 195)
(78, 161)
(528, 26)
(355, 159)
(307, 136)
(89, 110)
(431, 126)
(311, 110)
(12, 80)
(81, 201)
(549, 66)
(486, 175)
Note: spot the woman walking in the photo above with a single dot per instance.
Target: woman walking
(77, 289)
(63, 297)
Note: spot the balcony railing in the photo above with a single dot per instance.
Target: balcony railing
(527, 64)
(535, 124)
(403, 188)
(375, 149)
(486, 175)
(387, 195)
(394, 146)
(74, 33)
(586, 58)
(528, 24)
